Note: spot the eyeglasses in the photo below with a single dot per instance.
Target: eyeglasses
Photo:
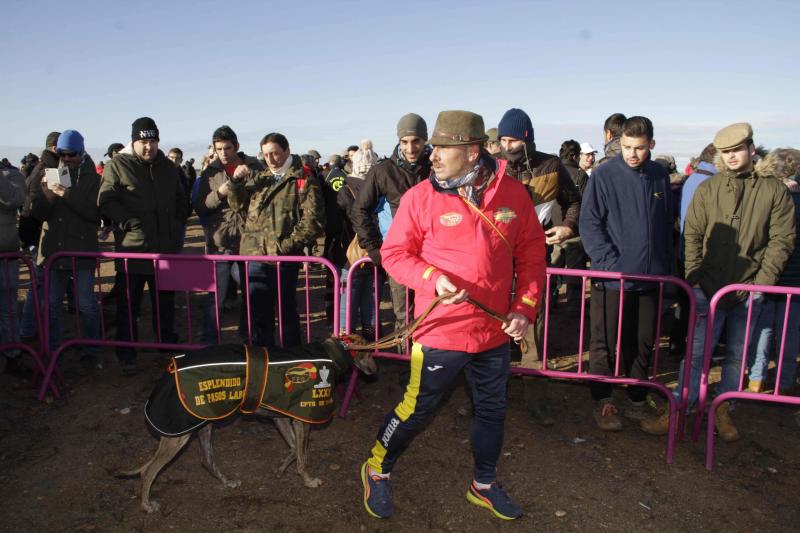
(67, 154)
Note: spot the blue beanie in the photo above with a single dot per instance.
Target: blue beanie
(70, 141)
(515, 123)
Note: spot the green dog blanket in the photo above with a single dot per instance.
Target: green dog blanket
(218, 381)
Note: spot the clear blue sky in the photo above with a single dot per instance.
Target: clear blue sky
(328, 74)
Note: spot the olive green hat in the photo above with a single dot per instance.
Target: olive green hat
(456, 128)
(492, 134)
(412, 125)
(733, 135)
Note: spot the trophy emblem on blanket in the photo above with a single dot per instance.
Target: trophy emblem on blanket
(323, 373)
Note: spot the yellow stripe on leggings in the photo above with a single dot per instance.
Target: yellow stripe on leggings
(378, 453)
(409, 403)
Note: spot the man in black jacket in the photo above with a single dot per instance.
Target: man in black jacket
(384, 185)
(142, 195)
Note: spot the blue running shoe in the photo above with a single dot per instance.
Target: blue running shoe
(377, 494)
(495, 499)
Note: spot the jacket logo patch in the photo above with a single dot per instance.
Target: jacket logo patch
(658, 194)
(451, 219)
(504, 215)
(299, 374)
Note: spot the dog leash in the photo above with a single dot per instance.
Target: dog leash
(397, 338)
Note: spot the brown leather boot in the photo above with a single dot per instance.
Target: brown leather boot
(722, 420)
(658, 425)
(605, 415)
(755, 385)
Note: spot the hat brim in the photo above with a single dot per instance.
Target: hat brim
(446, 141)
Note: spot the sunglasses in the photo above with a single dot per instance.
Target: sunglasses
(67, 154)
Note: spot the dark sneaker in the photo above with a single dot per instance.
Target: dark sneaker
(495, 499)
(377, 494)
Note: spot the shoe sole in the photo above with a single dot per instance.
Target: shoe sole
(486, 504)
(366, 491)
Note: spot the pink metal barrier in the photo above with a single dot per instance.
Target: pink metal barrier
(10, 313)
(790, 293)
(173, 272)
(581, 373)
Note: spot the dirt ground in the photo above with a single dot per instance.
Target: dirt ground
(57, 460)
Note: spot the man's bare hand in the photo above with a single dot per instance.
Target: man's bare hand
(241, 173)
(558, 234)
(445, 286)
(515, 326)
(60, 191)
(48, 194)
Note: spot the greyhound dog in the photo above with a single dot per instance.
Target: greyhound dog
(275, 382)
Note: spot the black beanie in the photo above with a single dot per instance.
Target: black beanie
(144, 128)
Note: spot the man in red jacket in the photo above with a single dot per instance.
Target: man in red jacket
(465, 231)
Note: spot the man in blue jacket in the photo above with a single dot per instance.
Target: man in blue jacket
(626, 226)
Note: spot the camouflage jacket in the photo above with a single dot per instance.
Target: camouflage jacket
(283, 217)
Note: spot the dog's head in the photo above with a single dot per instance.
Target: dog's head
(361, 358)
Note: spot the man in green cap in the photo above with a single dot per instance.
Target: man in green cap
(463, 232)
(740, 228)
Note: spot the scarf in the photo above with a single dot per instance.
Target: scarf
(470, 186)
(403, 162)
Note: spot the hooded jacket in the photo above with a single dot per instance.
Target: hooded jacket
(626, 219)
(389, 178)
(435, 232)
(213, 208)
(70, 222)
(12, 196)
(740, 228)
(283, 216)
(146, 201)
(548, 183)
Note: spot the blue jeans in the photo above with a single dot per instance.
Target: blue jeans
(9, 311)
(362, 294)
(263, 289)
(736, 319)
(761, 347)
(792, 346)
(86, 303)
(225, 271)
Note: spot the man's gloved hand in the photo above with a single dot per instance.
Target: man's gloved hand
(375, 255)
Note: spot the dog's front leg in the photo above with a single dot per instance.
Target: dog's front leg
(168, 448)
(284, 426)
(301, 433)
(207, 452)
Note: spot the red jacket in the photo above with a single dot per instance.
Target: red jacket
(435, 232)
